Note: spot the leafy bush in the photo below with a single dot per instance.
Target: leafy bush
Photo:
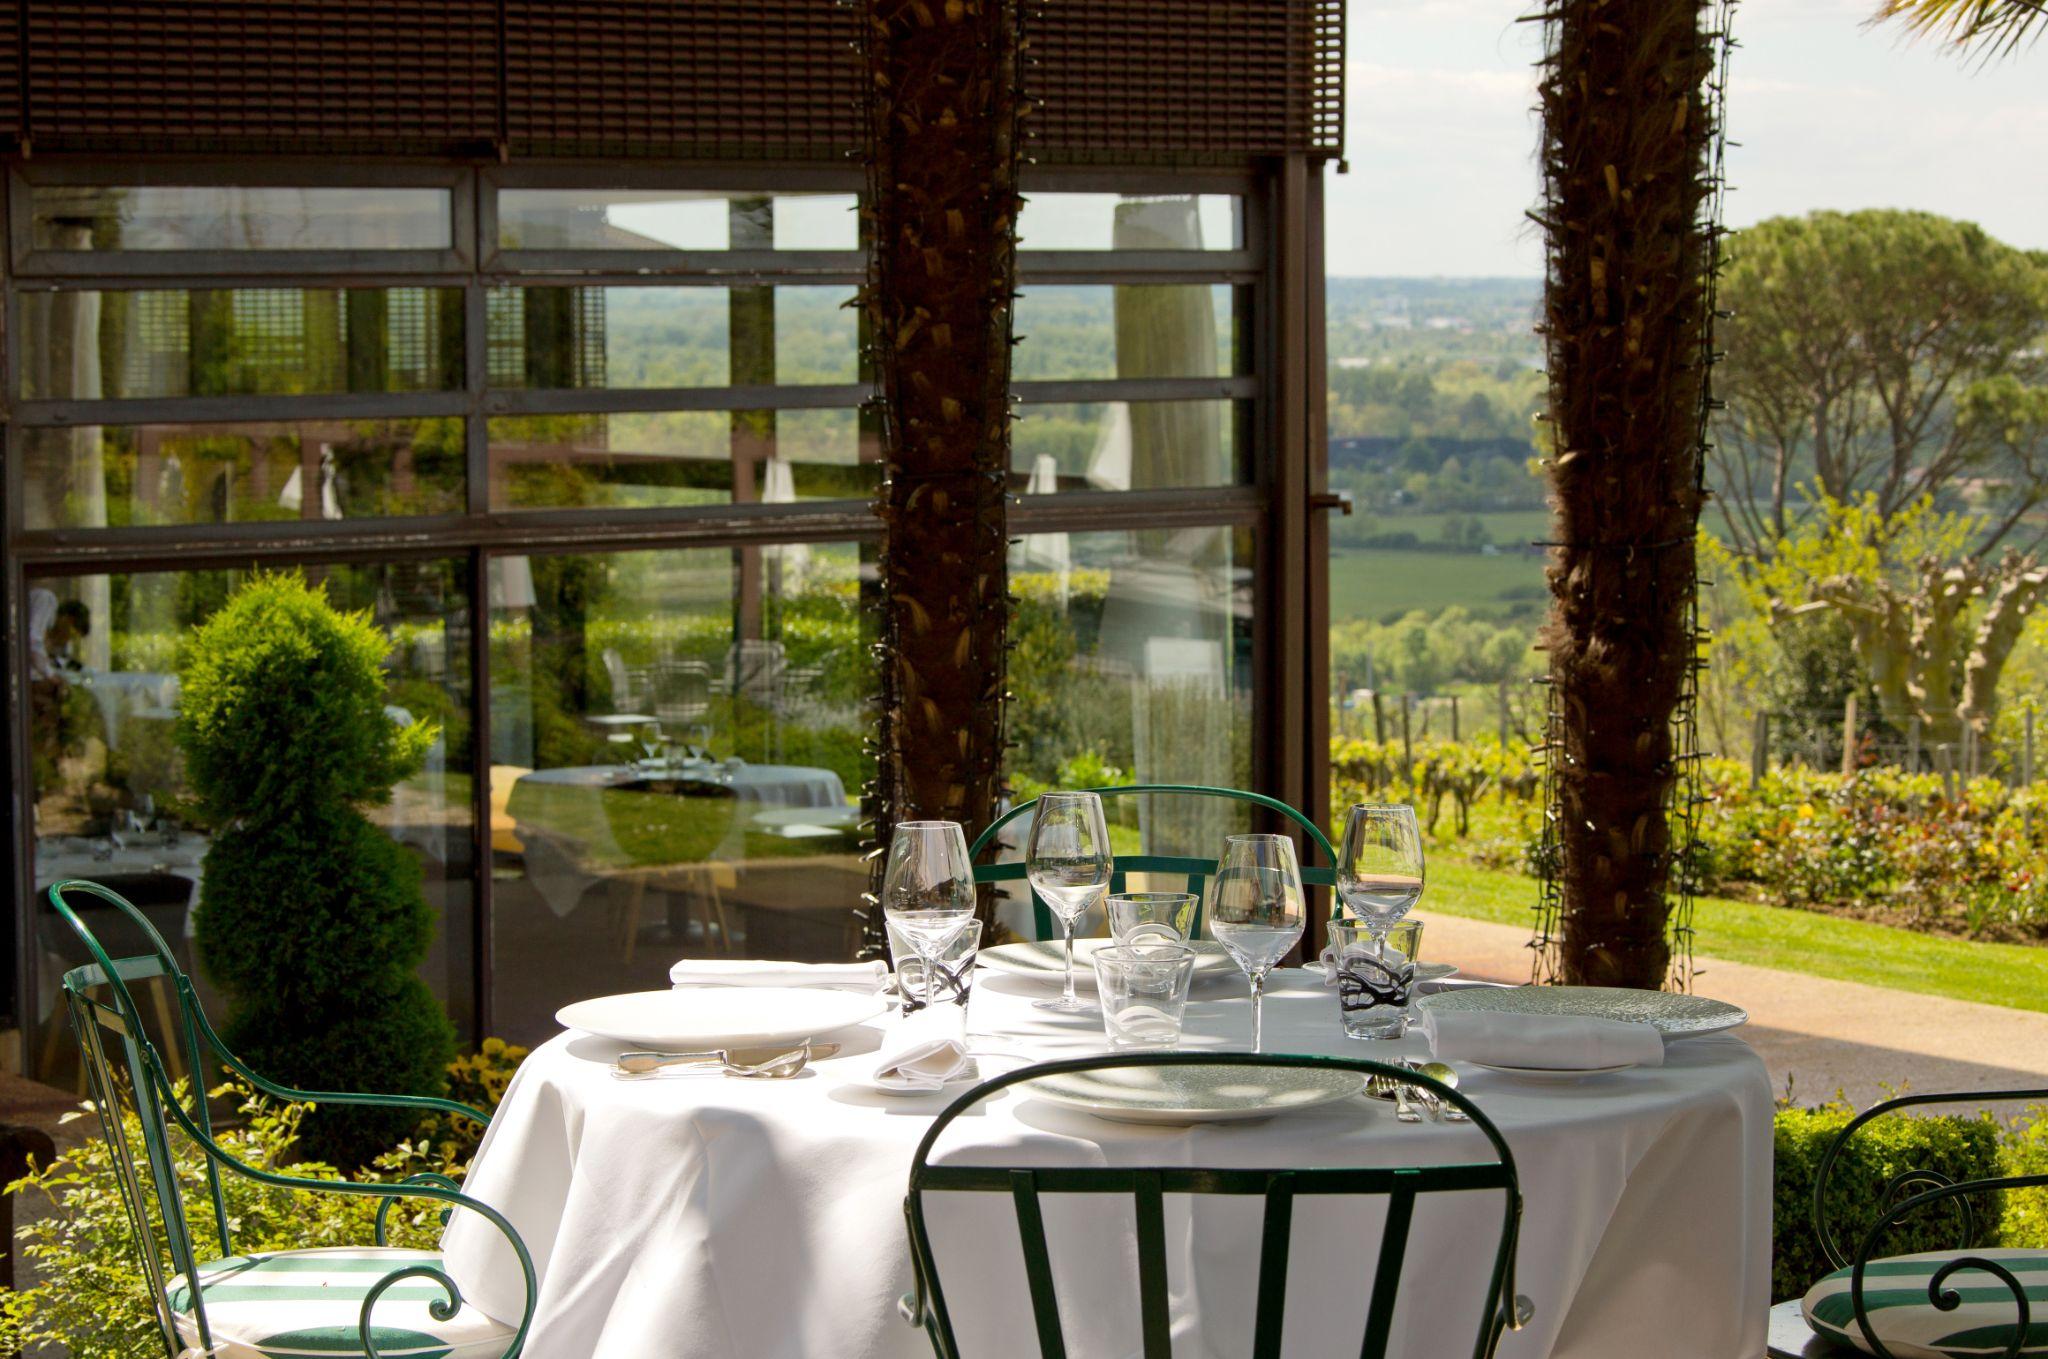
(1957, 1146)
(310, 918)
(2026, 1153)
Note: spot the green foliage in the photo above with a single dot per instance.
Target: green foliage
(94, 1300)
(1422, 652)
(310, 919)
(1959, 1147)
(2026, 1153)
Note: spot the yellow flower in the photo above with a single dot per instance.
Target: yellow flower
(1806, 811)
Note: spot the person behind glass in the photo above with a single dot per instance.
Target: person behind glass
(52, 628)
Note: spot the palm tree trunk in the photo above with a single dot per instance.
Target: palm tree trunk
(1627, 131)
(943, 109)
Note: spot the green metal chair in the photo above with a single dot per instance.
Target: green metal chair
(1908, 1194)
(255, 1306)
(1194, 869)
(1279, 1187)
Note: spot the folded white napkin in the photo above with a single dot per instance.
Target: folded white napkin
(1548, 1042)
(867, 976)
(925, 1051)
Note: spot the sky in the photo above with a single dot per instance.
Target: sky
(1827, 113)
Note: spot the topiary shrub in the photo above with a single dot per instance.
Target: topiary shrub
(310, 919)
(1957, 1146)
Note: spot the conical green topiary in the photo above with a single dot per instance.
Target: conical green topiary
(310, 918)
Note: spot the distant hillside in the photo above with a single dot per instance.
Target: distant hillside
(1377, 320)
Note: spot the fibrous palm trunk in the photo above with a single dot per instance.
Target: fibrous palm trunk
(943, 109)
(1626, 124)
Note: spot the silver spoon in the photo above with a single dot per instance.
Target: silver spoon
(752, 1063)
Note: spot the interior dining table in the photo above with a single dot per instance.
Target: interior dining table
(700, 1216)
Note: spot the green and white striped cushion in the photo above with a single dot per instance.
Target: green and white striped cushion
(1911, 1327)
(301, 1303)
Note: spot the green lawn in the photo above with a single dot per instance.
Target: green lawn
(2014, 975)
(1385, 584)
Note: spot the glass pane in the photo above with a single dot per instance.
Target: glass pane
(1127, 330)
(234, 217)
(111, 802)
(117, 476)
(672, 337)
(676, 753)
(1108, 221)
(1130, 446)
(639, 460)
(85, 346)
(1133, 664)
(669, 219)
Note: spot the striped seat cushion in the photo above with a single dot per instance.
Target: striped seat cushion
(310, 1302)
(1896, 1299)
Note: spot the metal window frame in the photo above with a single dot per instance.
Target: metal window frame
(1271, 269)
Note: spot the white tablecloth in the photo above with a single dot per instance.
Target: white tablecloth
(701, 1216)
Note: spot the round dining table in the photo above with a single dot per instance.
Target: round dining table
(707, 1217)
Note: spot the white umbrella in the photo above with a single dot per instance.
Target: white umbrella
(778, 487)
(1046, 551)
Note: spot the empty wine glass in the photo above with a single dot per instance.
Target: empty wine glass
(1257, 910)
(928, 888)
(1068, 861)
(1379, 868)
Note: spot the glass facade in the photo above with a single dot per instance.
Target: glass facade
(610, 494)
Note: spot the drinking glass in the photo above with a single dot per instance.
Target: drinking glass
(928, 888)
(1379, 867)
(1374, 982)
(1067, 859)
(1168, 916)
(947, 979)
(1144, 992)
(1257, 909)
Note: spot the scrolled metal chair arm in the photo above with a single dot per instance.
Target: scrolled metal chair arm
(440, 1309)
(390, 1201)
(1942, 1298)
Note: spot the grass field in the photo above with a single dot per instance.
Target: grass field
(1382, 584)
(2013, 975)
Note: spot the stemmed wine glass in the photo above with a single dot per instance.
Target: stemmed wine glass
(928, 888)
(1379, 868)
(1257, 910)
(1068, 861)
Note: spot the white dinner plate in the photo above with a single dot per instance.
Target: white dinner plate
(1671, 1014)
(1548, 1073)
(1195, 1094)
(696, 1018)
(1046, 959)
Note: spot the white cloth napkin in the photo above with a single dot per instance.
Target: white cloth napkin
(1547, 1042)
(925, 1051)
(867, 976)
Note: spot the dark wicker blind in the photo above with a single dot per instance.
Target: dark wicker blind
(1116, 80)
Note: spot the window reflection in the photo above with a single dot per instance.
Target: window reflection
(1127, 330)
(1108, 221)
(593, 337)
(676, 749)
(109, 797)
(100, 476)
(1130, 445)
(237, 217)
(668, 219)
(1132, 664)
(85, 345)
(674, 458)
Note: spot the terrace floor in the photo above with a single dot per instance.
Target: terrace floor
(1820, 1035)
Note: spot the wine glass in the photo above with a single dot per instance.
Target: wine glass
(1068, 861)
(1379, 868)
(928, 888)
(1257, 909)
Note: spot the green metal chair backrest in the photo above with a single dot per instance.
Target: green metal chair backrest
(127, 1076)
(1909, 1193)
(1147, 1186)
(1194, 870)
